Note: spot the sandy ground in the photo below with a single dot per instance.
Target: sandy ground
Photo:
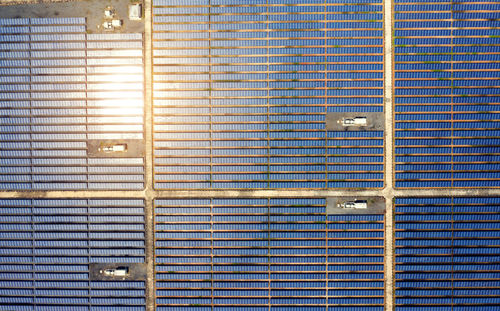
(12, 2)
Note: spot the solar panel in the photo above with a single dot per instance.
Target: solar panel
(261, 253)
(49, 245)
(242, 93)
(447, 253)
(446, 95)
(60, 89)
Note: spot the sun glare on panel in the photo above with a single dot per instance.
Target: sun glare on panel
(120, 94)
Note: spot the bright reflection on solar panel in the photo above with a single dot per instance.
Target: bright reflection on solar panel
(121, 97)
(62, 89)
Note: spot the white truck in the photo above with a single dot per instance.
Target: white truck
(108, 148)
(112, 25)
(356, 204)
(117, 272)
(356, 121)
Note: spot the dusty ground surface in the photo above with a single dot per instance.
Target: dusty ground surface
(12, 2)
(92, 10)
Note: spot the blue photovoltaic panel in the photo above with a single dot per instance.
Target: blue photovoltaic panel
(256, 254)
(47, 246)
(241, 93)
(59, 88)
(447, 94)
(447, 253)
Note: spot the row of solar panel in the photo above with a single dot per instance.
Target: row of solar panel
(268, 9)
(454, 125)
(56, 108)
(93, 41)
(333, 104)
(460, 100)
(303, 93)
(273, 77)
(456, 83)
(417, 136)
(435, 24)
(272, 85)
(285, 35)
(70, 62)
(442, 117)
(270, 168)
(63, 45)
(277, 131)
(312, 292)
(471, 13)
(274, 176)
(42, 21)
(23, 26)
(349, 15)
(323, 25)
(69, 128)
(261, 184)
(273, 143)
(71, 185)
(249, 112)
(251, 3)
(276, 134)
(75, 54)
(274, 266)
(41, 29)
(456, 34)
(216, 59)
(432, 1)
(285, 68)
(171, 48)
(243, 118)
(279, 264)
(197, 181)
(70, 72)
(416, 7)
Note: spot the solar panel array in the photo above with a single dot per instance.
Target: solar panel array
(447, 253)
(243, 97)
(242, 89)
(447, 94)
(47, 246)
(256, 254)
(59, 88)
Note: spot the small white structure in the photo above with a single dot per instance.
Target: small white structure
(109, 12)
(120, 271)
(135, 12)
(111, 25)
(113, 148)
(357, 204)
(117, 23)
(107, 25)
(357, 121)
